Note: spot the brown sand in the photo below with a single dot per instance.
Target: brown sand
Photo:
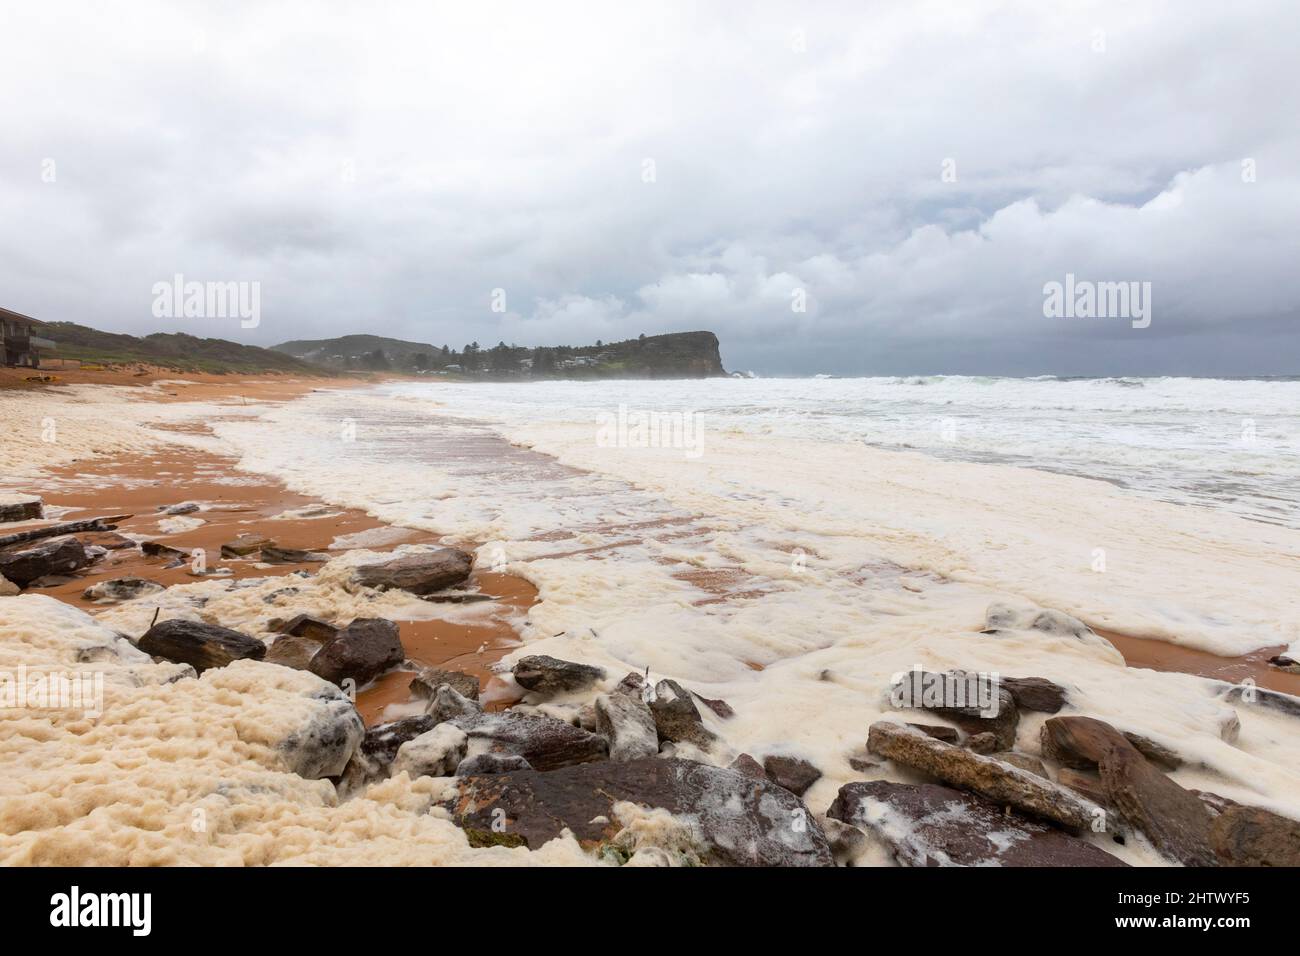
(141, 485)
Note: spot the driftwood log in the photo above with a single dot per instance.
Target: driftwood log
(71, 527)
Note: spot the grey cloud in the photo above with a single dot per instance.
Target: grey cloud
(392, 170)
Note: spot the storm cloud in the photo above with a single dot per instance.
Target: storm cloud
(851, 188)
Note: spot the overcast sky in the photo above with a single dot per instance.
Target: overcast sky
(625, 167)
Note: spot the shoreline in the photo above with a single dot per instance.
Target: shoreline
(1139, 651)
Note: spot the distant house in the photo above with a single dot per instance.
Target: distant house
(18, 346)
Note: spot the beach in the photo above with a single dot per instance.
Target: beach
(784, 572)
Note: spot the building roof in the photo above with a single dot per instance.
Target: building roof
(13, 316)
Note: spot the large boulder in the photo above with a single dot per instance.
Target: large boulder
(930, 825)
(549, 675)
(360, 652)
(1175, 820)
(546, 743)
(998, 781)
(200, 645)
(59, 556)
(735, 820)
(627, 723)
(435, 753)
(421, 572)
(324, 745)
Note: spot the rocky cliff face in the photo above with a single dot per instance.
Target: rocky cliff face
(675, 355)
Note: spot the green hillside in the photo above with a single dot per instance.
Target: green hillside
(175, 350)
(674, 355)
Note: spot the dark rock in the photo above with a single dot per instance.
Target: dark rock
(290, 650)
(426, 683)
(739, 821)
(485, 765)
(361, 652)
(990, 778)
(948, 735)
(1253, 836)
(1259, 696)
(544, 742)
(1174, 819)
(435, 753)
(184, 508)
(550, 675)
(793, 773)
(59, 556)
(155, 549)
(929, 825)
(447, 703)
(1036, 693)
(244, 545)
(1081, 742)
(21, 508)
(304, 625)
(1284, 663)
(677, 719)
(420, 573)
(200, 645)
(983, 743)
(277, 555)
(749, 767)
(1078, 742)
(121, 589)
(862, 764)
(975, 703)
(629, 726)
